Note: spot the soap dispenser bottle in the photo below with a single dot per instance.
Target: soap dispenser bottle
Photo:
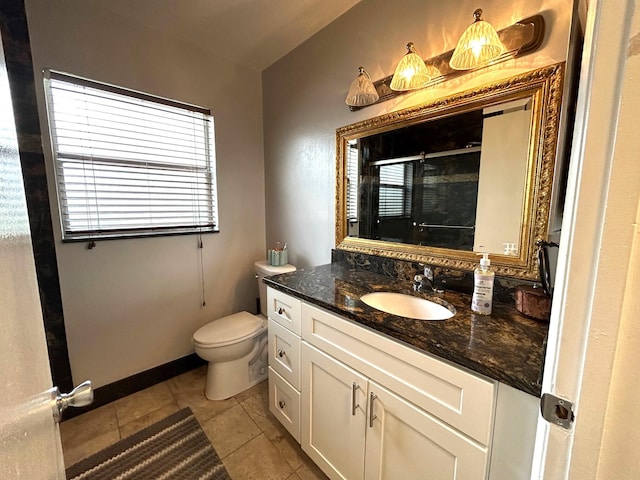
(483, 277)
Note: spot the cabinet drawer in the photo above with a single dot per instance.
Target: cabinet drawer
(284, 353)
(460, 398)
(284, 309)
(284, 403)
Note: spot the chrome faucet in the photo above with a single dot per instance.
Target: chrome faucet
(427, 279)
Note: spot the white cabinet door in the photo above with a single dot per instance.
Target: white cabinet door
(403, 441)
(334, 401)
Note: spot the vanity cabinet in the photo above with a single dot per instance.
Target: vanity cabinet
(373, 408)
(284, 314)
(354, 428)
(365, 406)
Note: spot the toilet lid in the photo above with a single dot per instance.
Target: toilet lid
(229, 329)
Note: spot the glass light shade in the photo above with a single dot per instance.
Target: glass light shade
(362, 92)
(411, 72)
(478, 45)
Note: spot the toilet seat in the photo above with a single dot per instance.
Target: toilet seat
(228, 330)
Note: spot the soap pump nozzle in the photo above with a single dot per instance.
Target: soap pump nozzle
(484, 261)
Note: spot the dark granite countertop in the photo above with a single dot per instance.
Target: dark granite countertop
(505, 346)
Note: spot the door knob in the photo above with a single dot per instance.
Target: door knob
(281, 404)
(80, 396)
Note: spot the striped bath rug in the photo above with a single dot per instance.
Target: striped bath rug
(173, 448)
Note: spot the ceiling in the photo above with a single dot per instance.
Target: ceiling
(252, 33)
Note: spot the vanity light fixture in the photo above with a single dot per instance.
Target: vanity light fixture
(411, 72)
(478, 45)
(521, 38)
(362, 92)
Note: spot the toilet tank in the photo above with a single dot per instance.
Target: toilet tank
(263, 269)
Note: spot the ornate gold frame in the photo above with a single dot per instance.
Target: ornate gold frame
(545, 87)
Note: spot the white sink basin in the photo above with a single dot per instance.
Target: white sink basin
(407, 306)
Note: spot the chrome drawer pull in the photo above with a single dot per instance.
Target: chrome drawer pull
(372, 417)
(281, 353)
(281, 404)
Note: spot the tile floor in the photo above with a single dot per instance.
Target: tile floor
(250, 441)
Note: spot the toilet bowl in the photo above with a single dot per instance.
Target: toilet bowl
(236, 345)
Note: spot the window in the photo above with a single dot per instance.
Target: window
(352, 181)
(129, 164)
(396, 181)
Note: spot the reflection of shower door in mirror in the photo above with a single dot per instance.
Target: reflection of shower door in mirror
(426, 201)
(468, 198)
(446, 197)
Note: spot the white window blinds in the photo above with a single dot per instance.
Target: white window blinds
(396, 182)
(129, 164)
(352, 181)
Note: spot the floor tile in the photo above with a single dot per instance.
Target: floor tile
(83, 428)
(258, 408)
(95, 444)
(230, 430)
(250, 440)
(310, 471)
(203, 408)
(150, 418)
(190, 381)
(257, 460)
(286, 445)
(188, 390)
(258, 389)
(143, 402)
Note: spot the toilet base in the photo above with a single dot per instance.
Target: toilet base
(223, 383)
(226, 379)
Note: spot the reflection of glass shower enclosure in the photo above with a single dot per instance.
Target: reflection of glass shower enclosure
(429, 199)
(457, 182)
(448, 189)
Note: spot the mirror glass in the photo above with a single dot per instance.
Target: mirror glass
(442, 182)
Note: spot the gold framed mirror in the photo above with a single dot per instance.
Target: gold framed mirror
(441, 182)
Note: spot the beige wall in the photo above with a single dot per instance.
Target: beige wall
(130, 305)
(619, 270)
(304, 98)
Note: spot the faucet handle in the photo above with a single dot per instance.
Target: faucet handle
(428, 272)
(417, 282)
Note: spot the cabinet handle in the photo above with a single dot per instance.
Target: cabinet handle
(372, 417)
(354, 387)
(280, 311)
(281, 404)
(281, 353)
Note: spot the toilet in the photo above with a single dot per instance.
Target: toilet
(236, 345)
